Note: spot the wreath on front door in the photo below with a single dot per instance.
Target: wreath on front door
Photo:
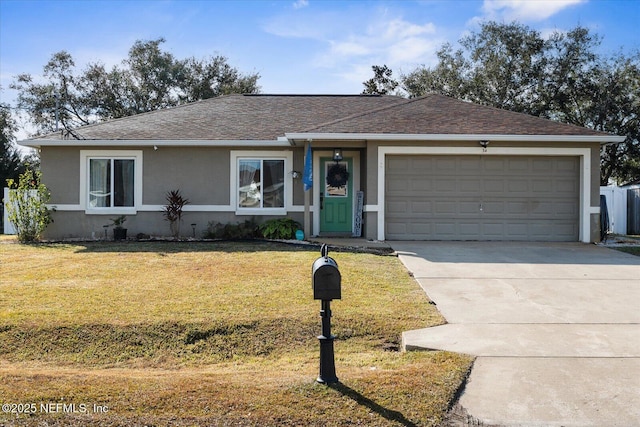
(337, 175)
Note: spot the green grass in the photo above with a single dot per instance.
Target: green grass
(633, 250)
(212, 334)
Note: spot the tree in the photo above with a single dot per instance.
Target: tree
(381, 83)
(615, 108)
(511, 66)
(148, 79)
(11, 165)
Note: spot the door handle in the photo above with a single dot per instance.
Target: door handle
(321, 201)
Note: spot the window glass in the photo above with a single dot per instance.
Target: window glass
(260, 183)
(249, 184)
(100, 183)
(123, 182)
(273, 184)
(111, 183)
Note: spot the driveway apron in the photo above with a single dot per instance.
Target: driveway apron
(555, 328)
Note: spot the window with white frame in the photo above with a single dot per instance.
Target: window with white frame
(112, 181)
(261, 182)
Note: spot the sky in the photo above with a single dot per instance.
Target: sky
(296, 46)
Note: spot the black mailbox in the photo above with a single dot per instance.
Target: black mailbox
(325, 278)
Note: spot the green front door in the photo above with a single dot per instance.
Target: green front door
(336, 201)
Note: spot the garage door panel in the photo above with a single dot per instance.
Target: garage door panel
(517, 186)
(419, 185)
(543, 164)
(518, 230)
(494, 164)
(446, 208)
(424, 207)
(565, 208)
(469, 207)
(398, 163)
(542, 186)
(566, 186)
(469, 228)
(399, 207)
(493, 208)
(445, 164)
(472, 186)
(482, 198)
(443, 186)
(520, 165)
(494, 186)
(445, 229)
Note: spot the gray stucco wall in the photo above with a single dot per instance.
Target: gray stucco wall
(60, 168)
(202, 174)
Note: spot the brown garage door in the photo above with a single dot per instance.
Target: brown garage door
(482, 198)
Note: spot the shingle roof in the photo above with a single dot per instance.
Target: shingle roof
(267, 117)
(235, 117)
(440, 115)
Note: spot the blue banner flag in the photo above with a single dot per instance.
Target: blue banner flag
(307, 175)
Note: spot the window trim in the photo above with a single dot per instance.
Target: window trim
(236, 156)
(86, 156)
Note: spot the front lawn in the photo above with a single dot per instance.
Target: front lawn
(210, 334)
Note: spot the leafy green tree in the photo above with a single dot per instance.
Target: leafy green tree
(563, 78)
(11, 165)
(27, 207)
(381, 83)
(447, 78)
(148, 79)
(615, 108)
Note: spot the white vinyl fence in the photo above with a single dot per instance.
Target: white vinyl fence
(622, 215)
(8, 227)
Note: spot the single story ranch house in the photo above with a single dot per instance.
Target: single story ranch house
(383, 167)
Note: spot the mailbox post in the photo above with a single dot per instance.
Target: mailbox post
(326, 283)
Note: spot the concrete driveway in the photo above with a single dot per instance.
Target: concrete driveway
(555, 328)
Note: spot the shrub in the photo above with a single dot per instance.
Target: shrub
(172, 211)
(27, 207)
(243, 230)
(280, 228)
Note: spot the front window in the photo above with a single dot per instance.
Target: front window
(111, 183)
(261, 183)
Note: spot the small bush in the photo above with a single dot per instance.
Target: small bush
(244, 230)
(172, 211)
(27, 206)
(280, 228)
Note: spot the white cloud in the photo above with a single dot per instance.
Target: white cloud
(525, 10)
(346, 45)
(299, 4)
(388, 41)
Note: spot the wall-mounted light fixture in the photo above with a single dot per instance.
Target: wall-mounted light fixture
(155, 148)
(484, 144)
(337, 154)
(295, 174)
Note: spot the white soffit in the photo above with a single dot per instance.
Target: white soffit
(602, 139)
(37, 143)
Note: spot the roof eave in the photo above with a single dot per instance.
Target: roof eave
(602, 139)
(38, 143)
